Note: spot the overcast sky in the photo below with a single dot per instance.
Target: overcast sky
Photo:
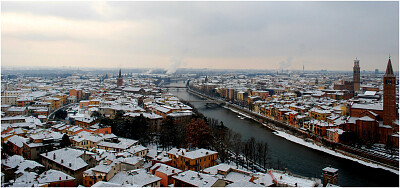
(240, 35)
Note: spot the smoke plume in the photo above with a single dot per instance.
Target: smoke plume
(174, 64)
(285, 64)
(149, 71)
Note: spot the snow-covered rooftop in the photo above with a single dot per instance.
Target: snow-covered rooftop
(18, 140)
(220, 167)
(196, 178)
(374, 106)
(165, 169)
(53, 176)
(134, 178)
(67, 157)
(106, 184)
(132, 160)
(192, 154)
(263, 179)
(330, 169)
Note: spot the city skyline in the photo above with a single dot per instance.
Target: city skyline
(214, 35)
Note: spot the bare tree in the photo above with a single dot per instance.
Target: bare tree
(237, 146)
(262, 153)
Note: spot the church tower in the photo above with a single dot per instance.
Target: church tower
(119, 79)
(389, 95)
(356, 75)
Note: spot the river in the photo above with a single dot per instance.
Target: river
(297, 158)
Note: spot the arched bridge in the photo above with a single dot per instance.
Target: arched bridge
(209, 103)
(174, 87)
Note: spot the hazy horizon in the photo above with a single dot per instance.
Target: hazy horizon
(198, 35)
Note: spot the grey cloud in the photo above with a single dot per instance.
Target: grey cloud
(301, 30)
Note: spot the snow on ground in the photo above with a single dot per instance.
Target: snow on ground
(286, 179)
(326, 150)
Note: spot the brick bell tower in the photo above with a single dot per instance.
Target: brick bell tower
(356, 75)
(119, 79)
(389, 95)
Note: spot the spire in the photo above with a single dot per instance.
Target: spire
(356, 62)
(389, 69)
(119, 73)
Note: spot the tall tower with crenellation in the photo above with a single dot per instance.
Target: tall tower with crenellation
(356, 75)
(389, 95)
(119, 79)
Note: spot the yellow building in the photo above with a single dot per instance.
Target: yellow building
(192, 160)
(279, 91)
(55, 103)
(86, 140)
(94, 102)
(319, 114)
(102, 172)
(344, 110)
(242, 96)
(63, 98)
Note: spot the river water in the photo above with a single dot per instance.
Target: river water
(297, 158)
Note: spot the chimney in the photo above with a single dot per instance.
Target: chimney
(60, 178)
(173, 171)
(70, 164)
(54, 156)
(62, 161)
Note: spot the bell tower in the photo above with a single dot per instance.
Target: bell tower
(356, 75)
(389, 95)
(119, 79)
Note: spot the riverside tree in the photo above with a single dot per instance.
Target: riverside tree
(198, 134)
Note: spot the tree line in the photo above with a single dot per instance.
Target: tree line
(199, 132)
